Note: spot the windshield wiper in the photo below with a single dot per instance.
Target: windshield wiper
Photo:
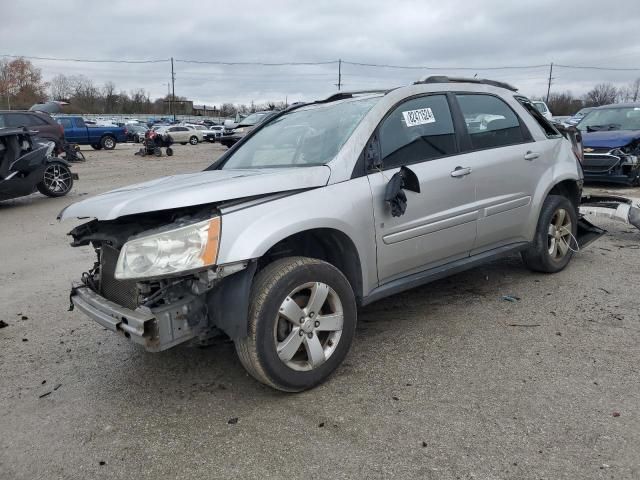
(598, 128)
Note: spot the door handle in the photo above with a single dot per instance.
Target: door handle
(460, 171)
(531, 155)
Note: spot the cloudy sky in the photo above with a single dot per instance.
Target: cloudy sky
(448, 35)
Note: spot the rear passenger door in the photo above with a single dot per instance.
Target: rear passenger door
(439, 224)
(508, 166)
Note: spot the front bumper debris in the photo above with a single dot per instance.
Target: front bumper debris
(155, 329)
(614, 166)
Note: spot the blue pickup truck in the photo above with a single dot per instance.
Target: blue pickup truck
(76, 131)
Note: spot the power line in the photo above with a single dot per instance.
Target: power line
(85, 60)
(264, 64)
(329, 62)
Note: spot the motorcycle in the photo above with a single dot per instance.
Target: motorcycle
(27, 164)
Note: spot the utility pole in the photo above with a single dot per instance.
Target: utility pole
(173, 91)
(550, 78)
(339, 84)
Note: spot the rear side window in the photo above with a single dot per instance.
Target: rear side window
(549, 130)
(19, 120)
(66, 123)
(417, 130)
(490, 121)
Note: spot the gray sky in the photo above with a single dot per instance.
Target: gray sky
(455, 33)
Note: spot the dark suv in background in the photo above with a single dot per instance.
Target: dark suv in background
(43, 123)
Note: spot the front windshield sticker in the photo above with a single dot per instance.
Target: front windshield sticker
(418, 117)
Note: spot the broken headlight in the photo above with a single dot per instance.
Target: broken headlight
(169, 252)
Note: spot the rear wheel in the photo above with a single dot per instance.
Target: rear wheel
(193, 140)
(57, 180)
(555, 239)
(157, 151)
(302, 319)
(169, 151)
(108, 143)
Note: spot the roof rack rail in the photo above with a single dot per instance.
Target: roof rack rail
(344, 95)
(484, 81)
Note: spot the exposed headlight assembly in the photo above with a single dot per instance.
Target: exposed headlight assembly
(182, 249)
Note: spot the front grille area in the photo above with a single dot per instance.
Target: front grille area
(598, 149)
(122, 292)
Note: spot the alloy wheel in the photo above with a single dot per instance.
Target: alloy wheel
(308, 326)
(57, 179)
(559, 234)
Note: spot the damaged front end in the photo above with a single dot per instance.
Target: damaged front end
(617, 165)
(157, 311)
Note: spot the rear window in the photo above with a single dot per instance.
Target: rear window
(549, 130)
(66, 123)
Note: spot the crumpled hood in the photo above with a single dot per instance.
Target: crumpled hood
(196, 189)
(609, 139)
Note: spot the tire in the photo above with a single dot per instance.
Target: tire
(169, 151)
(96, 146)
(108, 142)
(193, 140)
(295, 279)
(57, 180)
(555, 239)
(157, 151)
(183, 143)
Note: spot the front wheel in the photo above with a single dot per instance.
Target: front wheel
(57, 180)
(193, 140)
(302, 319)
(169, 151)
(555, 238)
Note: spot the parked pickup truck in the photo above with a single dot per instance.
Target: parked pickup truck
(76, 131)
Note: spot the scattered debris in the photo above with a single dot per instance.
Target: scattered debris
(424, 444)
(395, 398)
(25, 339)
(233, 421)
(43, 382)
(559, 334)
(510, 298)
(102, 463)
(604, 290)
(3, 324)
(523, 324)
(321, 424)
(24, 317)
(57, 386)
(44, 394)
(616, 414)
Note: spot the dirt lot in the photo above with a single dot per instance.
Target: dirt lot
(448, 381)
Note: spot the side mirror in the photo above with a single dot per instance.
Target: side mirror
(394, 196)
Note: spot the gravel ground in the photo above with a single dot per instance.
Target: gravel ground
(447, 381)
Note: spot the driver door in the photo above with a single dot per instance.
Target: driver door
(439, 224)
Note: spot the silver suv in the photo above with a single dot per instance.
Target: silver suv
(323, 208)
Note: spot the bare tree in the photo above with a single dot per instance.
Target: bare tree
(630, 93)
(601, 94)
(21, 83)
(60, 88)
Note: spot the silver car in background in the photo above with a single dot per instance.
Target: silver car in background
(323, 208)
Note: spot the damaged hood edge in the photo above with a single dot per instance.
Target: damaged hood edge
(192, 189)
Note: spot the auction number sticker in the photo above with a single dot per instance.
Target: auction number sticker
(418, 117)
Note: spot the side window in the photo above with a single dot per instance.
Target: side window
(417, 130)
(490, 121)
(549, 130)
(80, 123)
(66, 123)
(18, 120)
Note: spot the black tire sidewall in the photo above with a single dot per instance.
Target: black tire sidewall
(275, 369)
(191, 140)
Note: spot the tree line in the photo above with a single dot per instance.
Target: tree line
(21, 85)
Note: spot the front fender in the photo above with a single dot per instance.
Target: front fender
(248, 233)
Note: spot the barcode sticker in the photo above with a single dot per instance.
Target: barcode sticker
(418, 117)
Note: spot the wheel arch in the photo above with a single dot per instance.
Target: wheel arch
(329, 244)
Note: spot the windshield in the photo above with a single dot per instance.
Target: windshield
(302, 137)
(611, 119)
(253, 119)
